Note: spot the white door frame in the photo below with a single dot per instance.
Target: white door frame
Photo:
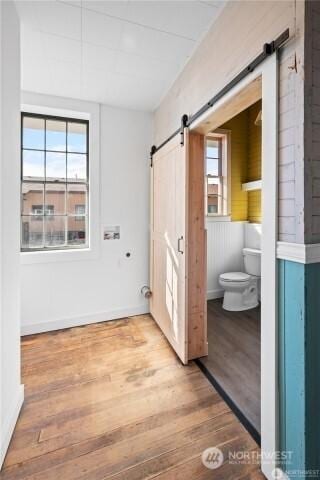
(268, 71)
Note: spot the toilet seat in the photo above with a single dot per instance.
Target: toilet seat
(235, 277)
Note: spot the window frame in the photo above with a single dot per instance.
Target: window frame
(224, 184)
(66, 119)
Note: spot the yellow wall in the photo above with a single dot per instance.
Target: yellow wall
(245, 164)
(239, 157)
(254, 206)
(254, 163)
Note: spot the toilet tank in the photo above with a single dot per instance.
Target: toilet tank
(252, 261)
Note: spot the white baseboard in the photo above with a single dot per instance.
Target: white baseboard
(33, 328)
(212, 294)
(8, 429)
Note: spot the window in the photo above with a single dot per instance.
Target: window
(216, 174)
(54, 182)
(79, 211)
(37, 211)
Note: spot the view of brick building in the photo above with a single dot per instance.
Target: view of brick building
(59, 208)
(212, 195)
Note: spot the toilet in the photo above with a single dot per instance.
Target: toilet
(241, 289)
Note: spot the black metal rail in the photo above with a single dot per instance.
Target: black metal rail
(268, 49)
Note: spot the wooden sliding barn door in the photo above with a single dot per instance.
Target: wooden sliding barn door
(180, 317)
(168, 244)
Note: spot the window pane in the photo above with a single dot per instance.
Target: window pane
(56, 134)
(212, 208)
(55, 231)
(213, 148)
(55, 199)
(33, 164)
(212, 166)
(77, 230)
(77, 137)
(33, 133)
(77, 167)
(32, 232)
(55, 166)
(32, 197)
(213, 204)
(213, 186)
(76, 199)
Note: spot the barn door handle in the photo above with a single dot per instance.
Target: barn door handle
(179, 248)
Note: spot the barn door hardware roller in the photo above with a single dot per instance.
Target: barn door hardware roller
(152, 152)
(184, 124)
(268, 49)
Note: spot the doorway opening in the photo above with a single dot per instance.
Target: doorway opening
(233, 218)
(179, 201)
(259, 90)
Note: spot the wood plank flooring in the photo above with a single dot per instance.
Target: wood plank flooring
(234, 356)
(111, 400)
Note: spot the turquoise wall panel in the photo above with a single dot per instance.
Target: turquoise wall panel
(312, 367)
(299, 366)
(281, 355)
(291, 362)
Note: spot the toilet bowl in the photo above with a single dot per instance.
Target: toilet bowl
(241, 289)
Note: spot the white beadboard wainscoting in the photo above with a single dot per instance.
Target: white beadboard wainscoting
(225, 241)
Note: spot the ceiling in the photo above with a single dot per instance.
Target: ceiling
(123, 53)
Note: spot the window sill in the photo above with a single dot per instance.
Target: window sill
(54, 256)
(218, 218)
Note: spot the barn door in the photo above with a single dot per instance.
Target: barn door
(169, 243)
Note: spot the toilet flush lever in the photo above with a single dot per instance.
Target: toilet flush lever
(180, 239)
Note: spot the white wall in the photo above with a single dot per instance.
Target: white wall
(106, 285)
(11, 389)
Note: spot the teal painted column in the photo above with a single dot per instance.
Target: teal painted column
(299, 367)
(313, 366)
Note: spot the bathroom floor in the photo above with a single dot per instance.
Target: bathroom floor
(234, 356)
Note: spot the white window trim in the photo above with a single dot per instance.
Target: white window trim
(226, 175)
(44, 104)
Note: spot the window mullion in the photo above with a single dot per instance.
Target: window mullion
(44, 226)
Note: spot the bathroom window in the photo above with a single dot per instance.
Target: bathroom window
(54, 182)
(216, 174)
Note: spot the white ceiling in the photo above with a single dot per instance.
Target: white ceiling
(123, 53)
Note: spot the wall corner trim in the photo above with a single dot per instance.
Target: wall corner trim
(11, 423)
(299, 252)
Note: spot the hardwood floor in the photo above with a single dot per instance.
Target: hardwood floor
(234, 356)
(111, 400)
